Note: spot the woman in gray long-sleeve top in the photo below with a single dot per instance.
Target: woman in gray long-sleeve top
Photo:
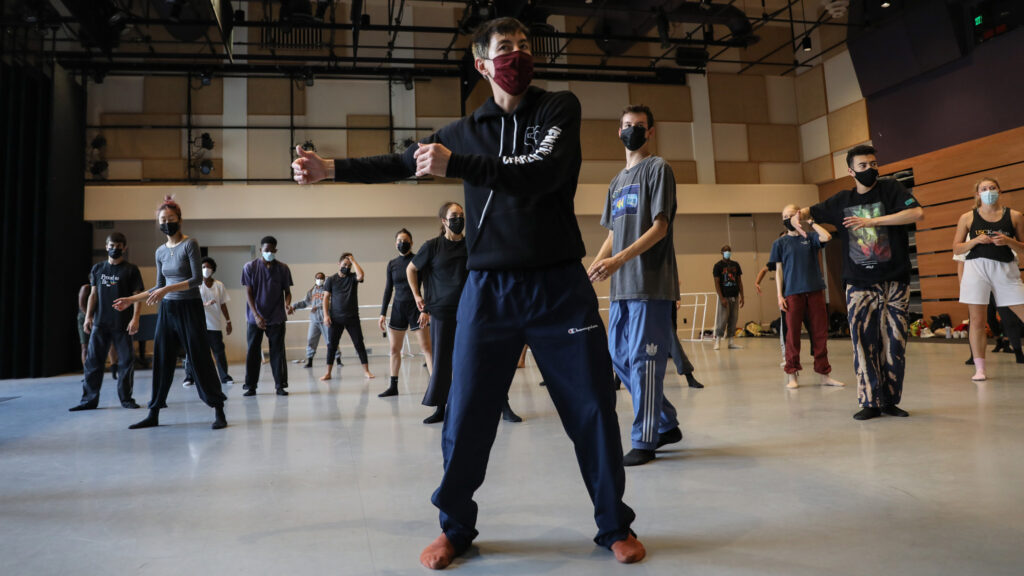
(181, 321)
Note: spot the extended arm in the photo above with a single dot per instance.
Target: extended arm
(901, 218)
(778, 287)
(760, 277)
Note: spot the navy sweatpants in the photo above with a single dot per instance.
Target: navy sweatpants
(554, 310)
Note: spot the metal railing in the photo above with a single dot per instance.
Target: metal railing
(695, 305)
(406, 348)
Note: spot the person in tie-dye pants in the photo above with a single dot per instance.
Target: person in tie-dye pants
(872, 222)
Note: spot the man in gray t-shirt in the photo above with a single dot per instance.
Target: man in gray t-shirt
(640, 259)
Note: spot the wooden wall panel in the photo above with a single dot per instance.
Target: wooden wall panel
(829, 189)
(818, 171)
(938, 263)
(367, 142)
(738, 99)
(944, 215)
(737, 173)
(176, 168)
(970, 157)
(271, 96)
(668, 103)
(439, 97)
(940, 287)
(685, 171)
(957, 312)
(164, 94)
(208, 99)
(598, 140)
(848, 126)
(766, 51)
(773, 142)
(144, 143)
(810, 95)
(1010, 178)
(938, 240)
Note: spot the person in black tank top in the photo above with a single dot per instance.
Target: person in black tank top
(991, 263)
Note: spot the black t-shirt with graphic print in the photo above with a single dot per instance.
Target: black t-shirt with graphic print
(876, 254)
(113, 281)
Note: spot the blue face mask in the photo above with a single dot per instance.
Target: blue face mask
(727, 255)
(989, 197)
(269, 256)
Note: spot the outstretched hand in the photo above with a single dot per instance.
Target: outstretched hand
(308, 168)
(432, 160)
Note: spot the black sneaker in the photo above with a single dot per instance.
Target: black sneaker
(84, 406)
(895, 411)
(309, 362)
(130, 404)
(637, 457)
(249, 392)
(867, 414)
(671, 437)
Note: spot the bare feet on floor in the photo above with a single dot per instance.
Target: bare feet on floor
(828, 380)
(793, 383)
(439, 554)
(325, 377)
(629, 551)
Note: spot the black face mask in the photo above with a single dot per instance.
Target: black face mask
(170, 228)
(344, 270)
(456, 224)
(867, 178)
(115, 253)
(788, 225)
(634, 137)
(404, 247)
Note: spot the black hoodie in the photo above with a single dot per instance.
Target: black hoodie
(520, 172)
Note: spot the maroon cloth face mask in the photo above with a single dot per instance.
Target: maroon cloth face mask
(513, 72)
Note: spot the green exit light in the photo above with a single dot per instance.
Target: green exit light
(977, 20)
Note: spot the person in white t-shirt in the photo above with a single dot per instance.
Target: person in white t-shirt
(218, 321)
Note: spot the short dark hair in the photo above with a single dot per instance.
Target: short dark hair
(403, 231)
(268, 240)
(504, 26)
(862, 150)
(638, 109)
(726, 248)
(344, 255)
(116, 237)
(209, 261)
(319, 274)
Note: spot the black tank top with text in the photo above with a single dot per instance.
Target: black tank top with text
(980, 227)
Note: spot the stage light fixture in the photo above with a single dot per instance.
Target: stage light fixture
(205, 166)
(805, 44)
(206, 141)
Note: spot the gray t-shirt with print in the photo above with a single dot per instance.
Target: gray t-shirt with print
(635, 197)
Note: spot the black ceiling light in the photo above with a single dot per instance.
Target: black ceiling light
(99, 141)
(805, 44)
(205, 166)
(307, 78)
(206, 141)
(886, 3)
(205, 78)
(98, 169)
(309, 146)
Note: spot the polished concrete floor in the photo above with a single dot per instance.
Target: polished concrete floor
(333, 480)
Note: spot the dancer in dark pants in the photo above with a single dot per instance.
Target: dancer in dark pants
(442, 262)
(341, 312)
(181, 322)
(268, 294)
(683, 365)
(871, 221)
(111, 279)
(519, 157)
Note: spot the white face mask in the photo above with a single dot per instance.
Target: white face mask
(989, 197)
(319, 281)
(207, 272)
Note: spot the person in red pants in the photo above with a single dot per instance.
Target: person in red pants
(801, 293)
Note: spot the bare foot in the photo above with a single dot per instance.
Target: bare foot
(793, 382)
(629, 550)
(325, 377)
(827, 380)
(368, 375)
(979, 376)
(439, 554)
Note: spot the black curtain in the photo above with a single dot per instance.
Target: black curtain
(46, 246)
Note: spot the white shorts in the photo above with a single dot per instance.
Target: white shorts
(982, 276)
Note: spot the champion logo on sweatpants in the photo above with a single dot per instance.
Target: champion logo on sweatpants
(584, 329)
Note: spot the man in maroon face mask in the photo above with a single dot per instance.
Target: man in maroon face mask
(519, 157)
